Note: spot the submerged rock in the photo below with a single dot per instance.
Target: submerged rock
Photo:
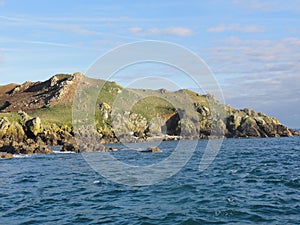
(70, 147)
(152, 149)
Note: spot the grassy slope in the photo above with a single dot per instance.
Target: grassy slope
(148, 103)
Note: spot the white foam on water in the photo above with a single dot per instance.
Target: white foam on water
(22, 156)
(66, 152)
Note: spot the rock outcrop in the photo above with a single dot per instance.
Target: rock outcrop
(248, 123)
(28, 136)
(35, 95)
(152, 149)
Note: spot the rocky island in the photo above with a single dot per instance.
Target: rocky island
(37, 115)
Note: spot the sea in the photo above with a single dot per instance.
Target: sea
(248, 181)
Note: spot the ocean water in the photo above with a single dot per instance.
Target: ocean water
(251, 181)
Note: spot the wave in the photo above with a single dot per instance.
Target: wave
(66, 152)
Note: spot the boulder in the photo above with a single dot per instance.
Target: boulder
(33, 127)
(249, 127)
(152, 149)
(70, 147)
(283, 131)
(105, 110)
(15, 132)
(6, 156)
(24, 116)
(250, 112)
(4, 125)
(28, 147)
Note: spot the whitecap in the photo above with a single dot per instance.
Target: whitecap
(21, 156)
(66, 152)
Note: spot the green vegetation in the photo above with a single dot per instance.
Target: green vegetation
(58, 114)
(153, 106)
(13, 116)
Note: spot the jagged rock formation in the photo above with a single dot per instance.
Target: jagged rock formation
(22, 137)
(35, 95)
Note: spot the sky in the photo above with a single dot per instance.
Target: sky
(252, 47)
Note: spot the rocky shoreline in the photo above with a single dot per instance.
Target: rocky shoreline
(29, 136)
(151, 118)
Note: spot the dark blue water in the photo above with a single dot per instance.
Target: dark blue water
(251, 181)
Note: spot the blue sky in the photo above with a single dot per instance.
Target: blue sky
(253, 47)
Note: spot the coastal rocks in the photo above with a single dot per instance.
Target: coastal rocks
(4, 125)
(87, 140)
(6, 155)
(219, 129)
(16, 132)
(137, 124)
(55, 135)
(248, 123)
(129, 125)
(33, 127)
(202, 110)
(28, 147)
(248, 127)
(105, 110)
(29, 137)
(70, 147)
(171, 138)
(156, 127)
(11, 131)
(188, 128)
(24, 115)
(149, 120)
(152, 149)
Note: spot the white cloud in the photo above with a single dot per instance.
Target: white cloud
(75, 29)
(269, 5)
(256, 4)
(49, 43)
(11, 19)
(175, 31)
(262, 74)
(235, 28)
(135, 29)
(257, 54)
(169, 31)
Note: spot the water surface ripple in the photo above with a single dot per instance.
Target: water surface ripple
(251, 181)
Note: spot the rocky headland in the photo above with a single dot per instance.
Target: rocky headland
(37, 115)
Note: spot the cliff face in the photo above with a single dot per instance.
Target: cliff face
(155, 113)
